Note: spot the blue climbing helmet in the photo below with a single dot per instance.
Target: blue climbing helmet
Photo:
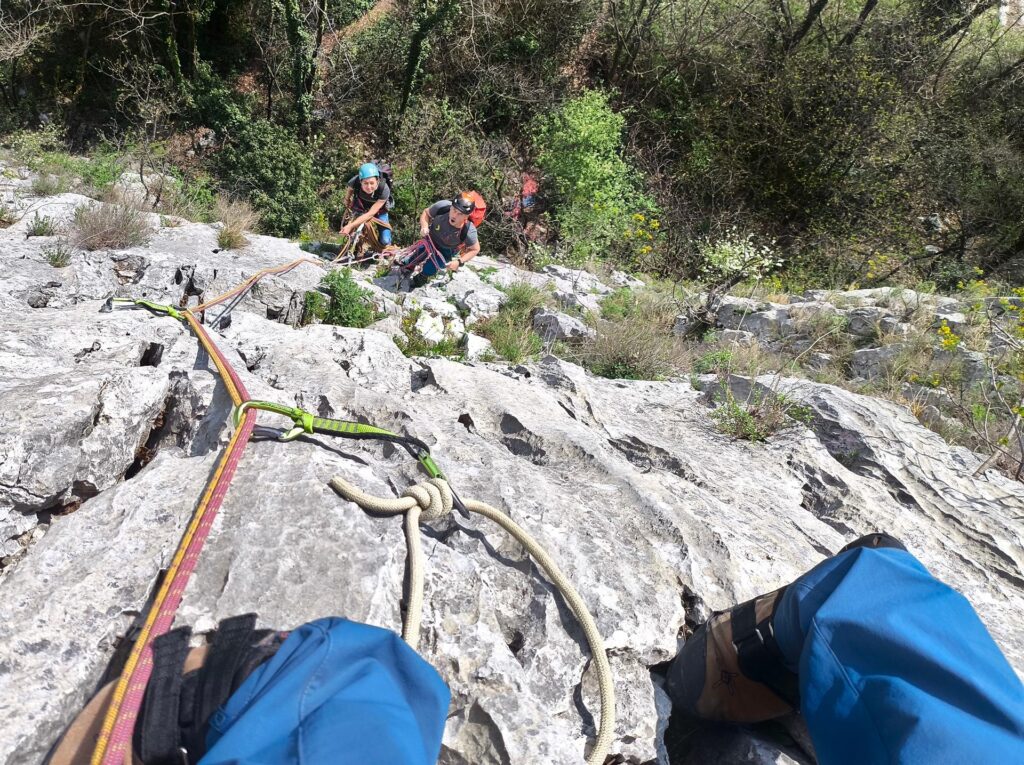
(368, 170)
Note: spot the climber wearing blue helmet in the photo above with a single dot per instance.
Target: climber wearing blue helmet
(367, 197)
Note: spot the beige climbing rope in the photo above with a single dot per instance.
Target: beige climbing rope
(433, 499)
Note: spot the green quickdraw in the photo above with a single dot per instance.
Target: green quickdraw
(157, 308)
(306, 422)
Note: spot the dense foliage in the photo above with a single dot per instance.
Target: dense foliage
(868, 141)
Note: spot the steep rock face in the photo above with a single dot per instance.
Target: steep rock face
(656, 516)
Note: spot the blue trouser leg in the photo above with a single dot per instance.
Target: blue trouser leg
(384, 234)
(431, 267)
(896, 667)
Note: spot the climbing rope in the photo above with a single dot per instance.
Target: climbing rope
(433, 499)
(426, 501)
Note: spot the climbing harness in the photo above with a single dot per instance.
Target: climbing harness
(411, 260)
(425, 501)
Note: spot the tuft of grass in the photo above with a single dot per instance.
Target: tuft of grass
(49, 185)
(41, 226)
(7, 216)
(631, 349)
(511, 330)
(764, 414)
(237, 217)
(619, 305)
(340, 301)
(58, 254)
(109, 225)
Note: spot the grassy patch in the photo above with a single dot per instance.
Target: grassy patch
(511, 330)
(237, 217)
(619, 305)
(713, 361)
(41, 226)
(341, 302)
(764, 414)
(109, 225)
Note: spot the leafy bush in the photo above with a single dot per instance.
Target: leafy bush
(266, 164)
(7, 216)
(41, 226)
(237, 217)
(109, 225)
(345, 303)
(579, 150)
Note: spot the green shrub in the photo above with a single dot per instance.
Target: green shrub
(345, 303)
(58, 254)
(100, 172)
(713, 361)
(41, 226)
(266, 164)
(579, 150)
(7, 216)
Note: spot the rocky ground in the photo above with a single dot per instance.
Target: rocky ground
(111, 422)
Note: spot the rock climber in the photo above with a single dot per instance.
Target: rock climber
(886, 663)
(449, 231)
(367, 198)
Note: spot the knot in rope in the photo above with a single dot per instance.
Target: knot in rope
(434, 498)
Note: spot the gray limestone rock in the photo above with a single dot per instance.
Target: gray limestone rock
(554, 325)
(655, 516)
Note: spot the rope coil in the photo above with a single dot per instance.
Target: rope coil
(433, 499)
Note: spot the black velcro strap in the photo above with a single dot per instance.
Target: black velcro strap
(759, 655)
(157, 739)
(214, 682)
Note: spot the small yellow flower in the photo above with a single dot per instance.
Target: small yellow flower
(644, 250)
(638, 217)
(654, 223)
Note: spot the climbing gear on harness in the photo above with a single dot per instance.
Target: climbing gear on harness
(368, 170)
(411, 260)
(732, 669)
(432, 500)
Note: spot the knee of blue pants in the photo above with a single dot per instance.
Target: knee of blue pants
(384, 233)
(896, 666)
(431, 267)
